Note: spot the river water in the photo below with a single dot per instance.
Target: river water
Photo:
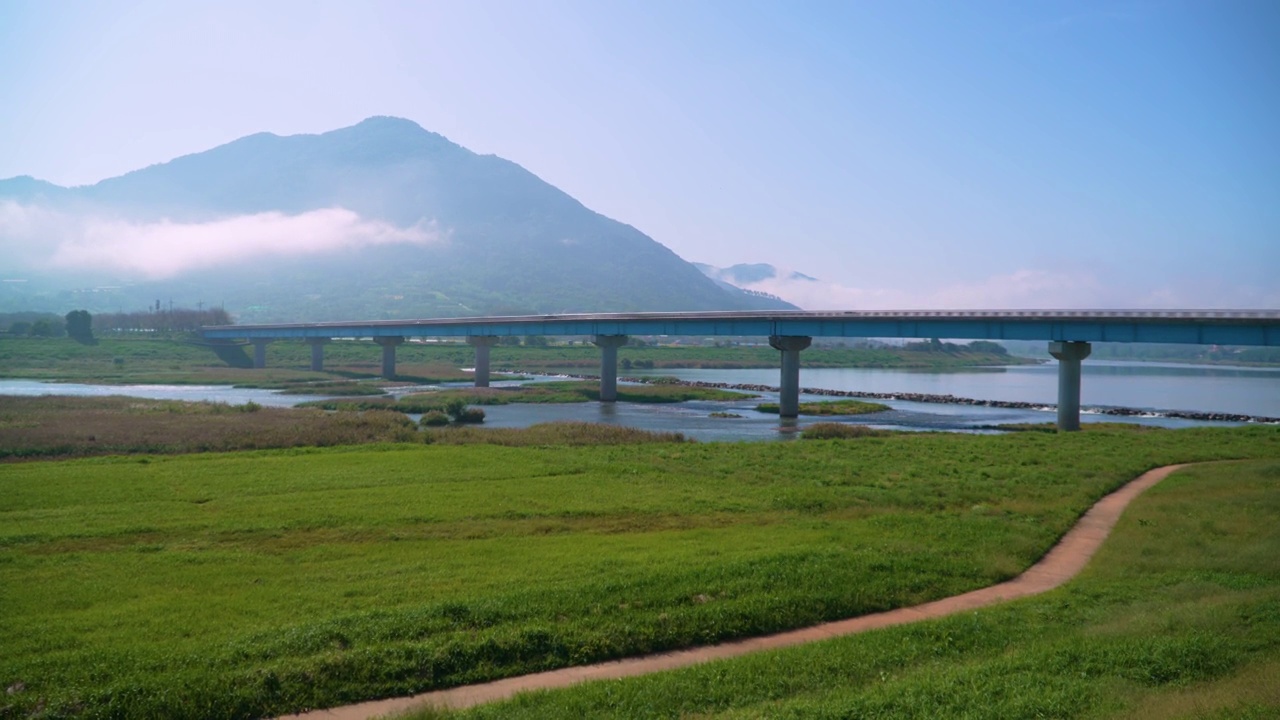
(1148, 386)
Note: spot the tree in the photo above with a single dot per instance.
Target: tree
(21, 327)
(80, 327)
(987, 346)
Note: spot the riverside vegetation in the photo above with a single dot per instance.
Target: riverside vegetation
(830, 407)
(65, 427)
(168, 361)
(246, 584)
(569, 391)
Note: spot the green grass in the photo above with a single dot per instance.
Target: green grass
(829, 407)
(571, 391)
(562, 433)
(1178, 616)
(172, 361)
(839, 431)
(248, 584)
(61, 427)
(33, 428)
(135, 360)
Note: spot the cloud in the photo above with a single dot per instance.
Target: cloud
(1019, 289)
(1027, 289)
(48, 239)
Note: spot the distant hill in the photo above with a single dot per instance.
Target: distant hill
(382, 219)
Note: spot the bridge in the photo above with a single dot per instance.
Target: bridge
(1068, 332)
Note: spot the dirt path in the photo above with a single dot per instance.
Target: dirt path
(1063, 562)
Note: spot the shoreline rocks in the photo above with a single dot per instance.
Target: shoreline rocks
(954, 400)
(1011, 404)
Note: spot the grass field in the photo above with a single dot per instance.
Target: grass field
(35, 428)
(60, 427)
(829, 407)
(567, 391)
(288, 362)
(1178, 616)
(145, 361)
(249, 584)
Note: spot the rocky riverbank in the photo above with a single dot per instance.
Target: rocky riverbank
(954, 400)
(1014, 404)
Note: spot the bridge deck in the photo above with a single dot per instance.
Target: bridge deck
(1205, 327)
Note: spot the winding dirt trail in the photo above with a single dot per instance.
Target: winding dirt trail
(1063, 562)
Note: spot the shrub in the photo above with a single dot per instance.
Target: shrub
(469, 415)
(839, 431)
(552, 434)
(434, 418)
(455, 407)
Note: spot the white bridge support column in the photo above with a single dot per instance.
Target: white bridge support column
(789, 387)
(609, 345)
(482, 343)
(260, 351)
(317, 353)
(1069, 355)
(389, 345)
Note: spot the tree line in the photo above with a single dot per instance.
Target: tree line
(935, 345)
(80, 325)
(159, 321)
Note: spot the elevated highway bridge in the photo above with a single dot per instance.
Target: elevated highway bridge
(1068, 333)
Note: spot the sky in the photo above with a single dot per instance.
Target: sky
(907, 154)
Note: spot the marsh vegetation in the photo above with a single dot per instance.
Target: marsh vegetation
(829, 407)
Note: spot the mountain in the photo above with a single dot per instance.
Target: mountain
(381, 219)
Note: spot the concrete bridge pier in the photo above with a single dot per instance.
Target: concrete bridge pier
(482, 343)
(609, 345)
(789, 387)
(317, 353)
(389, 344)
(260, 352)
(1069, 355)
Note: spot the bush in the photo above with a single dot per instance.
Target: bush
(552, 434)
(455, 407)
(469, 415)
(434, 418)
(839, 431)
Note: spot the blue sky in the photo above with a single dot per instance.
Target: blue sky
(908, 154)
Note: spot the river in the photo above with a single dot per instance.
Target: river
(1148, 386)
